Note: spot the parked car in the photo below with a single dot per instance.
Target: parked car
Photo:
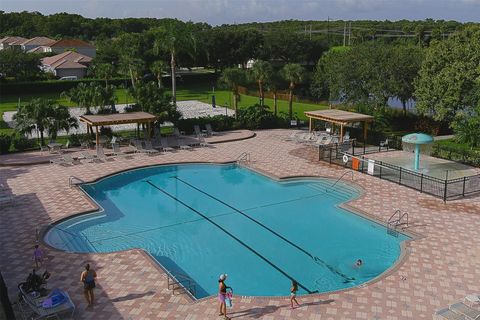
(69, 78)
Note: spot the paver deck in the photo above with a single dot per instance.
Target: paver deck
(440, 267)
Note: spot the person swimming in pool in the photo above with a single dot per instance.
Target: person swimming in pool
(358, 264)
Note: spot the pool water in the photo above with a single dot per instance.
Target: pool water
(202, 220)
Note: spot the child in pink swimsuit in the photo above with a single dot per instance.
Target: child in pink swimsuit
(38, 256)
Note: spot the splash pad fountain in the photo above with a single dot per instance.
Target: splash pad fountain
(419, 143)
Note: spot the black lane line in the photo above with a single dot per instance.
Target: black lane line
(231, 235)
(315, 258)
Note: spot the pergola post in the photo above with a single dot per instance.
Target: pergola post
(149, 133)
(341, 132)
(97, 137)
(310, 124)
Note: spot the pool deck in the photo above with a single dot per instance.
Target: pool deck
(440, 267)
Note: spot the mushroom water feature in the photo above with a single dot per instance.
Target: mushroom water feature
(419, 143)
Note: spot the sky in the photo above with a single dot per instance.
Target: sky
(216, 12)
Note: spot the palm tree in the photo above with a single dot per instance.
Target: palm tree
(60, 119)
(84, 95)
(174, 37)
(294, 74)
(34, 116)
(273, 84)
(262, 71)
(232, 78)
(158, 67)
(105, 71)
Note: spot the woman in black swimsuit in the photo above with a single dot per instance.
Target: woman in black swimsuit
(88, 278)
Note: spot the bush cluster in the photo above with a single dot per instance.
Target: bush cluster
(5, 141)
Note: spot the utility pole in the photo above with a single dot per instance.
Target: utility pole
(344, 33)
(349, 32)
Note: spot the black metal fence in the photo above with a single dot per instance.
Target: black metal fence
(447, 189)
(5, 301)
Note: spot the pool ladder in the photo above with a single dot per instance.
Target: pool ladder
(243, 158)
(397, 219)
(182, 282)
(335, 183)
(73, 181)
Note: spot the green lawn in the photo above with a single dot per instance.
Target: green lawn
(453, 143)
(195, 92)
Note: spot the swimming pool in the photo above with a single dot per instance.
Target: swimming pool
(202, 220)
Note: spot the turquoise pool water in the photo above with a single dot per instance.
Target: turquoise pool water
(202, 220)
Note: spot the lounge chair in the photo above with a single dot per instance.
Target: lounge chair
(66, 159)
(210, 132)
(383, 144)
(203, 143)
(43, 148)
(179, 143)
(291, 137)
(101, 154)
(88, 156)
(149, 148)
(346, 137)
(7, 200)
(137, 147)
(447, 314)
(44, 309)
(472, 299)
(117, 152)
(463, 309)
(165, 146)
(197, 130)
(3, 187)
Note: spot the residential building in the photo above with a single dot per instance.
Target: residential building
(67, 64)
(79, 46)
(11, 42)
(35, 43)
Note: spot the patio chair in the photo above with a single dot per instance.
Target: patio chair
(180, 143)
(66, 159)
(383, 144)
(7, 200)
(447, 314)
(291, 137)
(43, 148)
(88, 156)
(210, 132)
(117, 152)
(165, 146)
(149, 148)
(468, 312)
(346, 136)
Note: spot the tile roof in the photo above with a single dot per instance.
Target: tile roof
(37, 41)
(70, 43)
(67, 56)
(65, 64)
(38, 49)
(12, 40)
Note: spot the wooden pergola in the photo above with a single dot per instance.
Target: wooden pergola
(341, 118)
(99, 120)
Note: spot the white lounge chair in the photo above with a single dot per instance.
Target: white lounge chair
(88, 156)
(164, 144)
(101, 154)
(203, 143)
(117, 152)
(65, 159)
(179, 143)
(447, 314)
(149, 148)
(197, 130)
(34, 304)
(210, 132)
(138, 148)
(468, 312)
(472, 300)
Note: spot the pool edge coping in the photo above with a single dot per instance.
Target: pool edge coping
(404, 245)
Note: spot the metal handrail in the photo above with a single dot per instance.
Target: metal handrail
(333, 185)
(244, 157)
(180, 279)
(71, 180)
(398, 221)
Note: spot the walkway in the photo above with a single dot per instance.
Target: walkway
(440, 268)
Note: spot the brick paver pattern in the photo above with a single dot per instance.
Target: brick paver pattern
(439, 268)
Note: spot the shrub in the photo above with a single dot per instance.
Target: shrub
(106, 131)
(5, 141)
(77, 139)
(20, 142)
(219, 123)
(259, 117)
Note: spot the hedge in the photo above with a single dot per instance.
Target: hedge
(57, 86)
